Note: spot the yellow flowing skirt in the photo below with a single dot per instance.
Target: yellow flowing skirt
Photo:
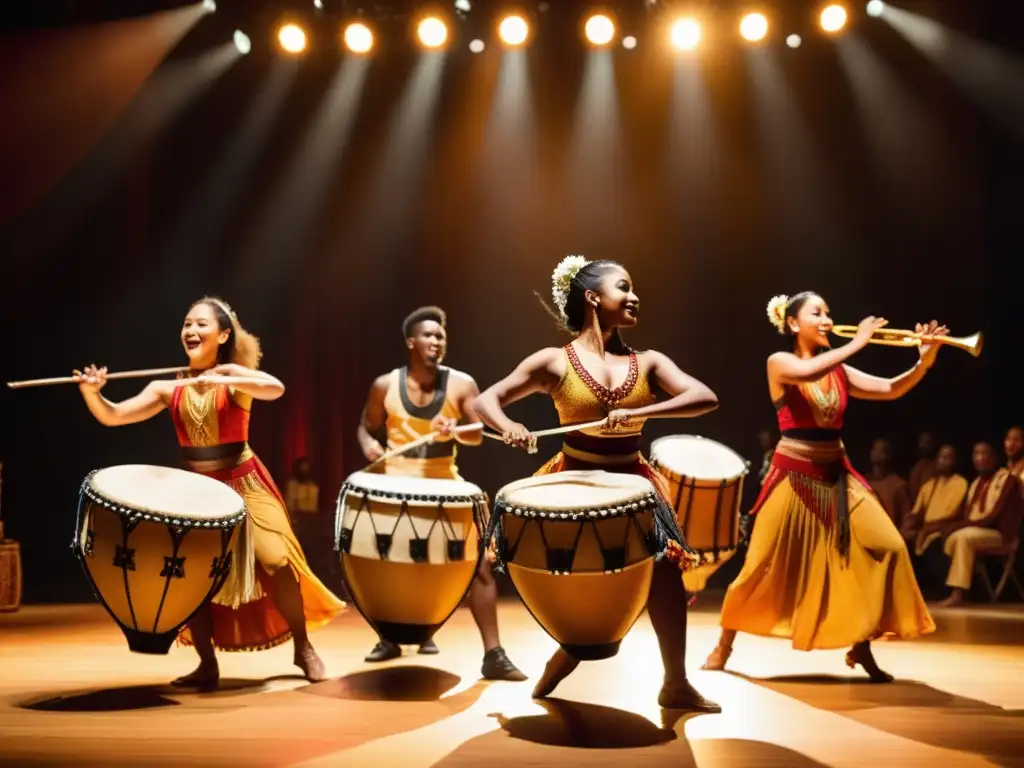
(244, 615)
(796, 584)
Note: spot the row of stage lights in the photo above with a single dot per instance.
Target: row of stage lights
(513, 30)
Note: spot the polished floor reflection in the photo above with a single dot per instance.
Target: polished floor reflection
(71, 693)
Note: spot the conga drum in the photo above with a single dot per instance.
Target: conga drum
(155, 545)
(409, 550)
(10, 575)
(706, 481)
(579, 547)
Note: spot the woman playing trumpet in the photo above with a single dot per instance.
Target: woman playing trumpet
(271, 594)
(826, 566)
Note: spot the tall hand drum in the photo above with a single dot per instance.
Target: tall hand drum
(155, 545)
(706, 481)
(409, 549)
(579, 548)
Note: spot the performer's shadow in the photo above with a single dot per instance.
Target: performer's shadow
(585, 726)
(136, 697)
(910, 710)
(398, 683)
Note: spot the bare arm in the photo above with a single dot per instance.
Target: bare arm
(259, 385)
(864, 386)
(688, 397)
(145, 405)
(786, 368)
(371, 422)
(538, 373)
(467, 393)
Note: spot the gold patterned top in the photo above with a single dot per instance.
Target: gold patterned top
(579, 398)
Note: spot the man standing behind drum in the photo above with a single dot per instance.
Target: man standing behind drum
(413, 401)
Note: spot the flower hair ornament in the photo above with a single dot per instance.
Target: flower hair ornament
(561, 280)
(777, 312)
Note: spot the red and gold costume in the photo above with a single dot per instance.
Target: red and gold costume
(579, 398)
(826, 566)
(213, 431)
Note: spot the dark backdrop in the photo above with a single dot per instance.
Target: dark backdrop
(718, 183)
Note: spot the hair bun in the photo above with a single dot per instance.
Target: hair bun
(777, 312)
(561, 280)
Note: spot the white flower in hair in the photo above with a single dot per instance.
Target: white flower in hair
(562, 278)
(777, 312)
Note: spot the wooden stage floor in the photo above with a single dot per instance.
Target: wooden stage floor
(72, 694)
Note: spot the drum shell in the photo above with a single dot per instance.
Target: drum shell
(151, 576)
(407, 601)
(708, 511)
(587, 607)
(10, 576)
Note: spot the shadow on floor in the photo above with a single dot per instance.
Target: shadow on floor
(911, 710)
(398, 683)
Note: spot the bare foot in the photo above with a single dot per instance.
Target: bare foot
(205, 677)
(861, 654)
(685, 696)
(307, 660)
(557, 669)
(955, 600)
(717, 658)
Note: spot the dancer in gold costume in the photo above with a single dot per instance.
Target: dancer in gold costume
(594, 377)
(826, 566)
(270, 594)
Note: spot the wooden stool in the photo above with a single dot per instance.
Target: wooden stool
(10, 576)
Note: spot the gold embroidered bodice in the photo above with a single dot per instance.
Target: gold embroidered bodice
(579, 398)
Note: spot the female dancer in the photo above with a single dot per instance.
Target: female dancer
(270, 594)
(826, 566)
(595, 299)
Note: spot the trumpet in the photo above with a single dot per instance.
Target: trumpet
(890, 337)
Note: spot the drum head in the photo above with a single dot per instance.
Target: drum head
(166, 493)
(697, 457)
(415, 491)
(576, 491)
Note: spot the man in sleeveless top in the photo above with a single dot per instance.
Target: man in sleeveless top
(405, 404)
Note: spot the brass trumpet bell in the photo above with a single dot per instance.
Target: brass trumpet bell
(891, 337)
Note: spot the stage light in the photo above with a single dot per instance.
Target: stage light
(876, 8)
(210, 6)
(629, 42)
(463, 5)
(599, 29)
(432, 32)
(754, 27)
(685, 34)
(358, 37)
(833, 18)
(318, 4)
(292, 38)
(242, 42)
(476, 46)
(794, 41)
(513, 30)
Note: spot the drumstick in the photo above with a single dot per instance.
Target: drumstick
(110, 377)
(428, 438)
(555, 430)
(423, 440)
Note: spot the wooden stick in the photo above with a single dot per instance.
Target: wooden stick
(423, 440)
(554, 431)
(430, 437)
(149, 372)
